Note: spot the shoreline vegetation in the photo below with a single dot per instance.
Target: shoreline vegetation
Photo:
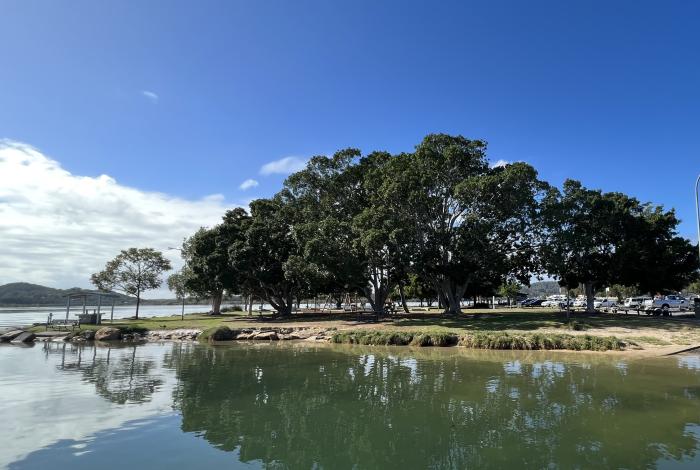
(500, 329)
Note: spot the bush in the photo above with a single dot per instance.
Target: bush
(501, 340)
(481, 340)
(435, 339)
(233, 308)
(217, 333)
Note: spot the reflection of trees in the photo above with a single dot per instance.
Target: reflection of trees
(119, 374)
(299, 407)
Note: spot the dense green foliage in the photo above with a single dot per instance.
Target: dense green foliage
(597, 239)
(437, 223)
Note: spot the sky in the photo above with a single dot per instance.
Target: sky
(131, 123)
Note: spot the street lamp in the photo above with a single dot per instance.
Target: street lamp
(182, 314)
(697, 209)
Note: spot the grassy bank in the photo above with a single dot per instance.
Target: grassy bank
(483, 329)
(482, 340)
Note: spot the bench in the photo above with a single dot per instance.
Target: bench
(60, 324)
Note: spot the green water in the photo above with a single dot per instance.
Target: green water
(295, 406)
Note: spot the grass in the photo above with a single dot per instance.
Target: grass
(653, 340)
(537, 328)
(481, 340)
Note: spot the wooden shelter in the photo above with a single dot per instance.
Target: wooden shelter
(101, 298)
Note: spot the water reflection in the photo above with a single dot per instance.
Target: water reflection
(123, 378)
(378, 410)
(324, 407)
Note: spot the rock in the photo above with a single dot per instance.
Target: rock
(108, 334)
(269, 335)
(24, 337)
(10, 335)
(89, 335)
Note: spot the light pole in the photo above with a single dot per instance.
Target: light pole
(182, 313)
(697, 208)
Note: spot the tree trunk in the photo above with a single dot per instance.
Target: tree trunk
(377, 299)
(588, 288)
(138, 302)
(216, 303)
(250, 304)
(403, 298)
(338, 302)
(451, 294)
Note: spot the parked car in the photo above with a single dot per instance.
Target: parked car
(534, 303)
(579, 303)
(635, 302)
(666, 304)
(604, 303)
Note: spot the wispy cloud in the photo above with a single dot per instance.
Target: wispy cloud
(500, 162)
(283, 166)
(247, 184)
(57, 228)
(152, 96)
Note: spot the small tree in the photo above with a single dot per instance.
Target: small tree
(132, 272)
(177, 283)
(510, 290)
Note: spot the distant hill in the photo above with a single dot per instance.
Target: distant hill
(24, 293)
(542, 288)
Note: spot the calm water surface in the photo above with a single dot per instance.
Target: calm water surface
(295, 406)
(20, 316)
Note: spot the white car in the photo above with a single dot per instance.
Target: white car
(667, 304)
(604, 303)
(579, 303)
(635, 302)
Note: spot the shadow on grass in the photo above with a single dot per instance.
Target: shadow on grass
(528, 321)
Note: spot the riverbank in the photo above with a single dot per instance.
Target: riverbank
(487, 329)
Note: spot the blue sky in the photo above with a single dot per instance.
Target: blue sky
(192, 98)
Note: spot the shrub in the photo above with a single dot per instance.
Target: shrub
(217, 333)
(482, 340)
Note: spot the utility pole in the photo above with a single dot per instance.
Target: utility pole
(697, 208)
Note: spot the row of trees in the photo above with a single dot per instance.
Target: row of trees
(439, 220)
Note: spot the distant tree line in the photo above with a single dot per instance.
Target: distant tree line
(436, 223)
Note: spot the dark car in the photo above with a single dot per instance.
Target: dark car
(533, 303)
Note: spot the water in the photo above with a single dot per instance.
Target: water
(177, 405)
(21, 316)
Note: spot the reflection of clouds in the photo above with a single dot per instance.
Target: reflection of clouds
(33, 386)
(513, 368)
(622, 367)
(368, 361)
(689, 361)
(549, 368)
(492, 385)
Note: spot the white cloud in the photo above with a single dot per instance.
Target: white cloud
(249, 183)
(57, 228)
(500, 162)
(283, 166)
(152, 96)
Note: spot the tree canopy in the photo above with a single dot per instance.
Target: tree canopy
(438, 223)
(132, 272)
